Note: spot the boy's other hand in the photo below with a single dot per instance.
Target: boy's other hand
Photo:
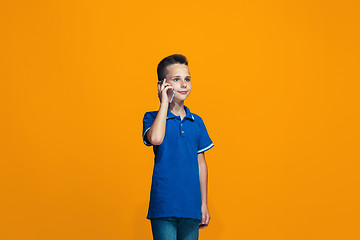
(165, 91)
(205, 217)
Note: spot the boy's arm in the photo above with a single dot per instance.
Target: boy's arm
(203, 174)
(156, 133)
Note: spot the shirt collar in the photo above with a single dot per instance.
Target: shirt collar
(189, 115)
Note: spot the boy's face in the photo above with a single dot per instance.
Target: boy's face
(179, 77)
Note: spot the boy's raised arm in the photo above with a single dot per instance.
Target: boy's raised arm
(156, 132)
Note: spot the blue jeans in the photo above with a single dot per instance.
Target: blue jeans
(175, 228)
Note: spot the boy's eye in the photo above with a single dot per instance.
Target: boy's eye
(176, 79)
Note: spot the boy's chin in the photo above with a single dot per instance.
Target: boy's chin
(180, 99)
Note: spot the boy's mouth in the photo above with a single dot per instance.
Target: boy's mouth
(183, 92)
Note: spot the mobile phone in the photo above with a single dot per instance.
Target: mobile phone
(172, 95)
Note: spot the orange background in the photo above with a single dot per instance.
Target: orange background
(276, 82)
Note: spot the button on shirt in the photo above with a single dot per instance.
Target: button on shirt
(175, 187)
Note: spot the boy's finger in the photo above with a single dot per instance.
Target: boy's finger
(168, 86)
(164, 81)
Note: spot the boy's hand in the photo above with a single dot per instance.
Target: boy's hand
(205, 216)
(164, 92)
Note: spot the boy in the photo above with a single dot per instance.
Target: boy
(178, 197)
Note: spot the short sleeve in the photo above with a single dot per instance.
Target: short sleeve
(205, 143)
(147, 122)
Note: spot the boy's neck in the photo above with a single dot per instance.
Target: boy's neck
(177, 108)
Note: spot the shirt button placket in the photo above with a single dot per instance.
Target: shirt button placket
(182, 133)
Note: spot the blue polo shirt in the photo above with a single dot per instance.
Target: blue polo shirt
(175, 187)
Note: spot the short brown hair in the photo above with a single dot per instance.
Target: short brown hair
(169, 60)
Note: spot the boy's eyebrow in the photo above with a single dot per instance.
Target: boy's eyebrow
(179, 76)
